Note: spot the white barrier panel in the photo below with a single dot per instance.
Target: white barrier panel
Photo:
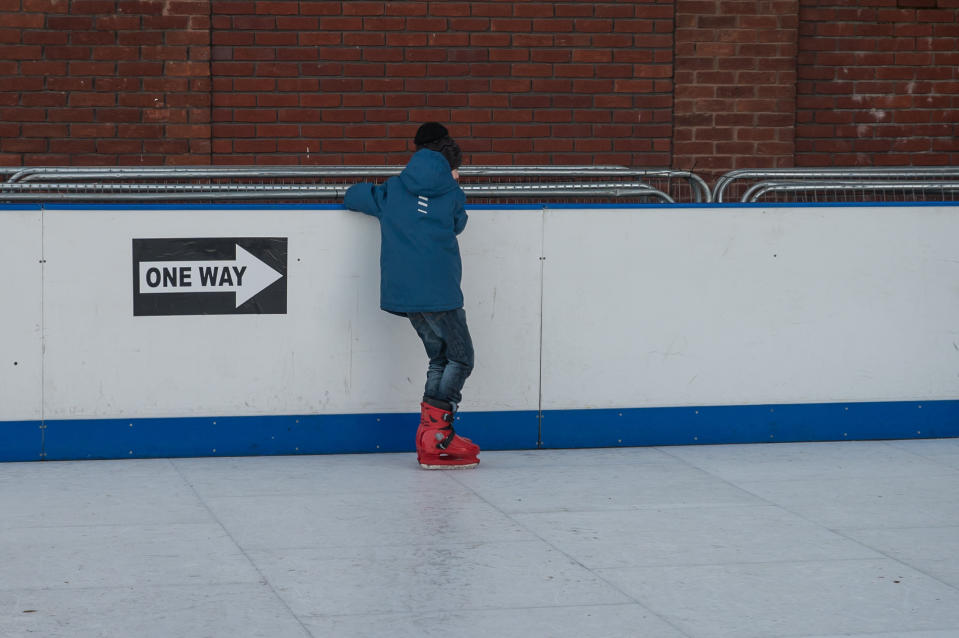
(703, 307)
(20, 289)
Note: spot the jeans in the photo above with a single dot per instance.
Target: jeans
(450, 349)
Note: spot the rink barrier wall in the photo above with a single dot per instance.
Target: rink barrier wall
(728, 324)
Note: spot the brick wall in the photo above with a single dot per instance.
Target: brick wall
(709, 85)
(523, 83)
(103, 82)
(735, 84)
(878, 83)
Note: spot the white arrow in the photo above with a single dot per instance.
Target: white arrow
(247, 275)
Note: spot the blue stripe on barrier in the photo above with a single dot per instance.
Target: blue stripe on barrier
(750, 424)
(513, 430)
(269, 435)
(226, 436)
(517, 430)
(21, 441)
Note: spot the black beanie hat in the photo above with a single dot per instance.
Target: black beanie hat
(430, 132)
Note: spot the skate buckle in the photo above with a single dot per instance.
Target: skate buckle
(446, 440)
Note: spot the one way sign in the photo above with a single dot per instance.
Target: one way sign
(209, 276)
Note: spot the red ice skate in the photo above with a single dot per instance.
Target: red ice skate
(438, 447)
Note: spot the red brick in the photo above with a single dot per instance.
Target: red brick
(490, 9)
(449, 8)
(319, 39)
(424, 85)
(468, 55)
(23, 20)
(72, 146)
(277, 69)
(318, 100)
(42, 37)
(416, 24)
(532, 40)
(406, 8)
(254, 23)
(20, 145)
(389, 24)
(406, 39)
(489, 39)
(364, 39)
(591, 55)
(274, 38)
(297, 23)
(318, 68)
(277, 8)
(478, 91)
(40, 129)
(610, 40)
(112, 53)
(20, 52)
(186, 68)
(469, 24)
(449, 39)
(431, 54)
(253, 53)
(555, 56)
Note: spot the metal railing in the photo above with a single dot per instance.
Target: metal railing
(80, 192)
(837, 184)
(266, 173)
(853, 191)
(304, 182)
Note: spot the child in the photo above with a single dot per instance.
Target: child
(421, 212)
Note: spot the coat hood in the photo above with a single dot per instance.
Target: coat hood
(428, 173)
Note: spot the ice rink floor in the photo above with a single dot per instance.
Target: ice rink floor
(817, 539)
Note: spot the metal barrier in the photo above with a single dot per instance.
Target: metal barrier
(591, 181)
(853, 191)
(262, 173)
(885, 184)
(73, 192)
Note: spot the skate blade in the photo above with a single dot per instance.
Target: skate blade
(465, 466)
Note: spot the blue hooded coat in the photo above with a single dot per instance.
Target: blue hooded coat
(421, 212)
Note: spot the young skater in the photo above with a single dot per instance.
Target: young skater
(421, 212)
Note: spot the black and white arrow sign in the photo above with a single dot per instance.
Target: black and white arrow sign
(194, 276)
(246, 275)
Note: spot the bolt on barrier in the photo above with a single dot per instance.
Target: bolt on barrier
(837, 184)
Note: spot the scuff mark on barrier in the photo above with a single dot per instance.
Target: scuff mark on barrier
(349, 374)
